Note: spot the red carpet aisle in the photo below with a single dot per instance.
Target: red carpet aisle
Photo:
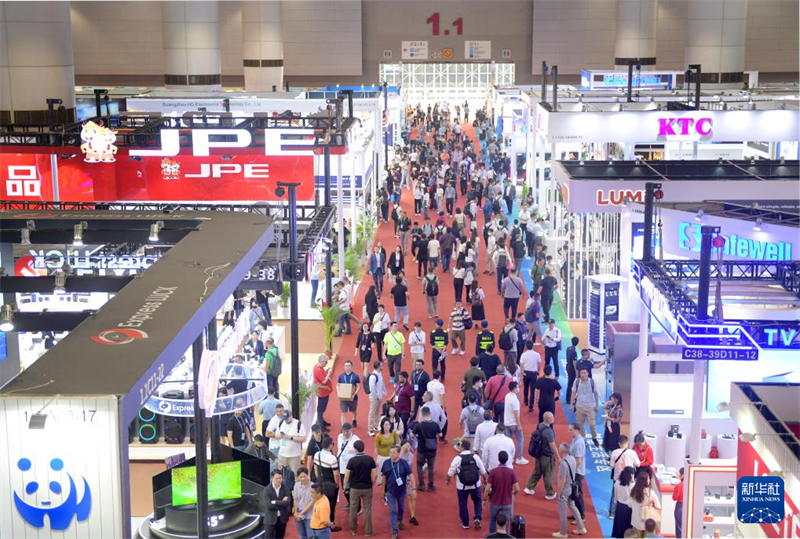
(437, 512)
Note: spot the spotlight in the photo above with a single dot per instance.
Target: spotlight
(61, 282)
(752, 160)
(747, 437)
(7, 318)
(759, 223)
(37, 421)
(719, 162)
(154, 229)
(783, 160)
(700, 214)
(279, 192)
(30, 224)
(723, 407)
(78, 236)
(582, 162)
(25, 235)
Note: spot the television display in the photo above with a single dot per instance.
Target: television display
(224, 483)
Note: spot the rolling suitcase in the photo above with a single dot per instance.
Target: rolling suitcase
(518, 526)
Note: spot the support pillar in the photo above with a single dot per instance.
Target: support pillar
(715, 38)
(191, 45)
(637, 28)
(262, 45)
(35, 62)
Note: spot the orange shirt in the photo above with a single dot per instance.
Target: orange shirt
(322, 513)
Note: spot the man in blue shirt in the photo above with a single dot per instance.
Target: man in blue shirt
(577, 448)
(398, 479)
(348, 402)
(267, 409)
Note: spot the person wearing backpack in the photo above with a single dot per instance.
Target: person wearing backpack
(508, 342)
(567, 493)
(501, 261)
(542, 447)
(468, 470)
(586, 403)
(430, 288)
(471, 417)
(427, 433)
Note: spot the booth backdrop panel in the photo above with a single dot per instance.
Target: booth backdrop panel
(238, 176)
(83, 434)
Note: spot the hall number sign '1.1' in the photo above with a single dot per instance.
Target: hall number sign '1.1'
(434, 20)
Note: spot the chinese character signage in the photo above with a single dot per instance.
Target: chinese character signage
(759, 500)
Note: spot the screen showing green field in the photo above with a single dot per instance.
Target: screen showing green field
(224, 483)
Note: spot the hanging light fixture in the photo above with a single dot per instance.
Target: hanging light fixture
(25, 236)
(700, 214)
(7, 318)
(154, 230)
(77, 240)
(30, 224)
(759, 224)
(61, 282)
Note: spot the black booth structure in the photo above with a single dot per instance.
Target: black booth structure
(66, 417)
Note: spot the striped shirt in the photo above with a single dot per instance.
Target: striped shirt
(457, 319)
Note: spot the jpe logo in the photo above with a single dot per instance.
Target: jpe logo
(119, 336)
(170, 169)
(759, 500)
(23, 182)
(60, 516)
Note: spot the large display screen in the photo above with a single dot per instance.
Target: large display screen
(224, 483)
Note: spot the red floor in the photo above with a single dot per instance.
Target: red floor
(438, 512)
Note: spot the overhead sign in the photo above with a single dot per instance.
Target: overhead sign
(86, 263)
(710, 354)
(655, 126)
(414, 50)
(737, 245)
(477, 50)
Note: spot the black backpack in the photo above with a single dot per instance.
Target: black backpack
(502, 260)
(366, 384)
(432, 286)
(505, 340)
(468, 472)
(537, 444)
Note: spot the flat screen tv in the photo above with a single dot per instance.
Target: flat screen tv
(224, 483)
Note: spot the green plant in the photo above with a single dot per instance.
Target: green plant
(352, 263)
(305, 392)
(283, 299)
(330, 318)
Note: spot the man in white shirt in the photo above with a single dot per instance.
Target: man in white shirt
(377, 392)
(620, 459)
(495, 444)
(530, 361)
(433, 252)
(513, 422)
(292, 434)
(436, 388)
(484, 431)
(468, 467)
(346, 451)
(552, 343)
(271, 432)
(416, 342)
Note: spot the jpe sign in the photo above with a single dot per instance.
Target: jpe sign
(685, 127)
(203, 140)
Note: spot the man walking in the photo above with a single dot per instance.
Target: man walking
(321, 516)
(566, 475)
(427, 433)
(278, 501)
(322, 379)
(529, 362)
(495, 445)
(586, 403)
(377, 268)
(430, 288)
(502, 486)
(501, 261)
(468, 469)
(395, 351)
(439, 342)
(552, 344)
(398, 478)
(457, 331)
(419, 380)
(361, 475)
(512, 288)
(377, 391)
(513, 421)
(348, 386)
(577, 450)
(545, 446)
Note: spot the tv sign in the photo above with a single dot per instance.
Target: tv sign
(689, 239)
(685, 127)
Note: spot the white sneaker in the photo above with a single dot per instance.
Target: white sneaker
(455, 351)
(552, 497)
(522, 462)
(462, 352)
(559, 534)
(582, 531)
(528, 491)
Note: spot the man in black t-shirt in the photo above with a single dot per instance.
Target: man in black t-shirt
(547, 290)
(488, 362)
(427, 433)
(548, 390)
(501, 523)
(585, 362)
(400, 297)
(360, 476)
(314, 447)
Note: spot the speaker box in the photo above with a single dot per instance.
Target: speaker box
(149, 426)
(174, 429)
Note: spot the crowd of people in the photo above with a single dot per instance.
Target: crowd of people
(464, 217)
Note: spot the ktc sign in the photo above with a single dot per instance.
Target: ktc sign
(737, 246)
(685, 127)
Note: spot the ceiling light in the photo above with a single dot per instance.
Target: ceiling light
(759, 223)
(7, 318)
(719, 161)
(30, 224)
(752, 160)
(25, 235)
(723, 407)
(700, 214)
(78, 236)
(747, 437)
(61, 282)
(154, 230)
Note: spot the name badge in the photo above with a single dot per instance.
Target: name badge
(399, 482)
(416, 387)
(396, 398)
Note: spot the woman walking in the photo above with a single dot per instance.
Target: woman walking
(614, 412)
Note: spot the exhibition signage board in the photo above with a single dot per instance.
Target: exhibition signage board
(477, 50)
(239, 174)
(414, 50)
(706, 354)
(609, 195)
(662, 126)
(63, 480)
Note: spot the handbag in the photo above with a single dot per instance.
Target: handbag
(651, 512)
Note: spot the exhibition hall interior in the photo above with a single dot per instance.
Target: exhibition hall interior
(399, 269)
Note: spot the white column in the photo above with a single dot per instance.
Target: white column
(715, 39)
(191, 45)
(35, 60)
(637, 24)
(353, 158)
(262, 45)
(698, 385)
(340, 212)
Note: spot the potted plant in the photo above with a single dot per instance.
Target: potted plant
(305, 394)
(330, 317)
(283, 299)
